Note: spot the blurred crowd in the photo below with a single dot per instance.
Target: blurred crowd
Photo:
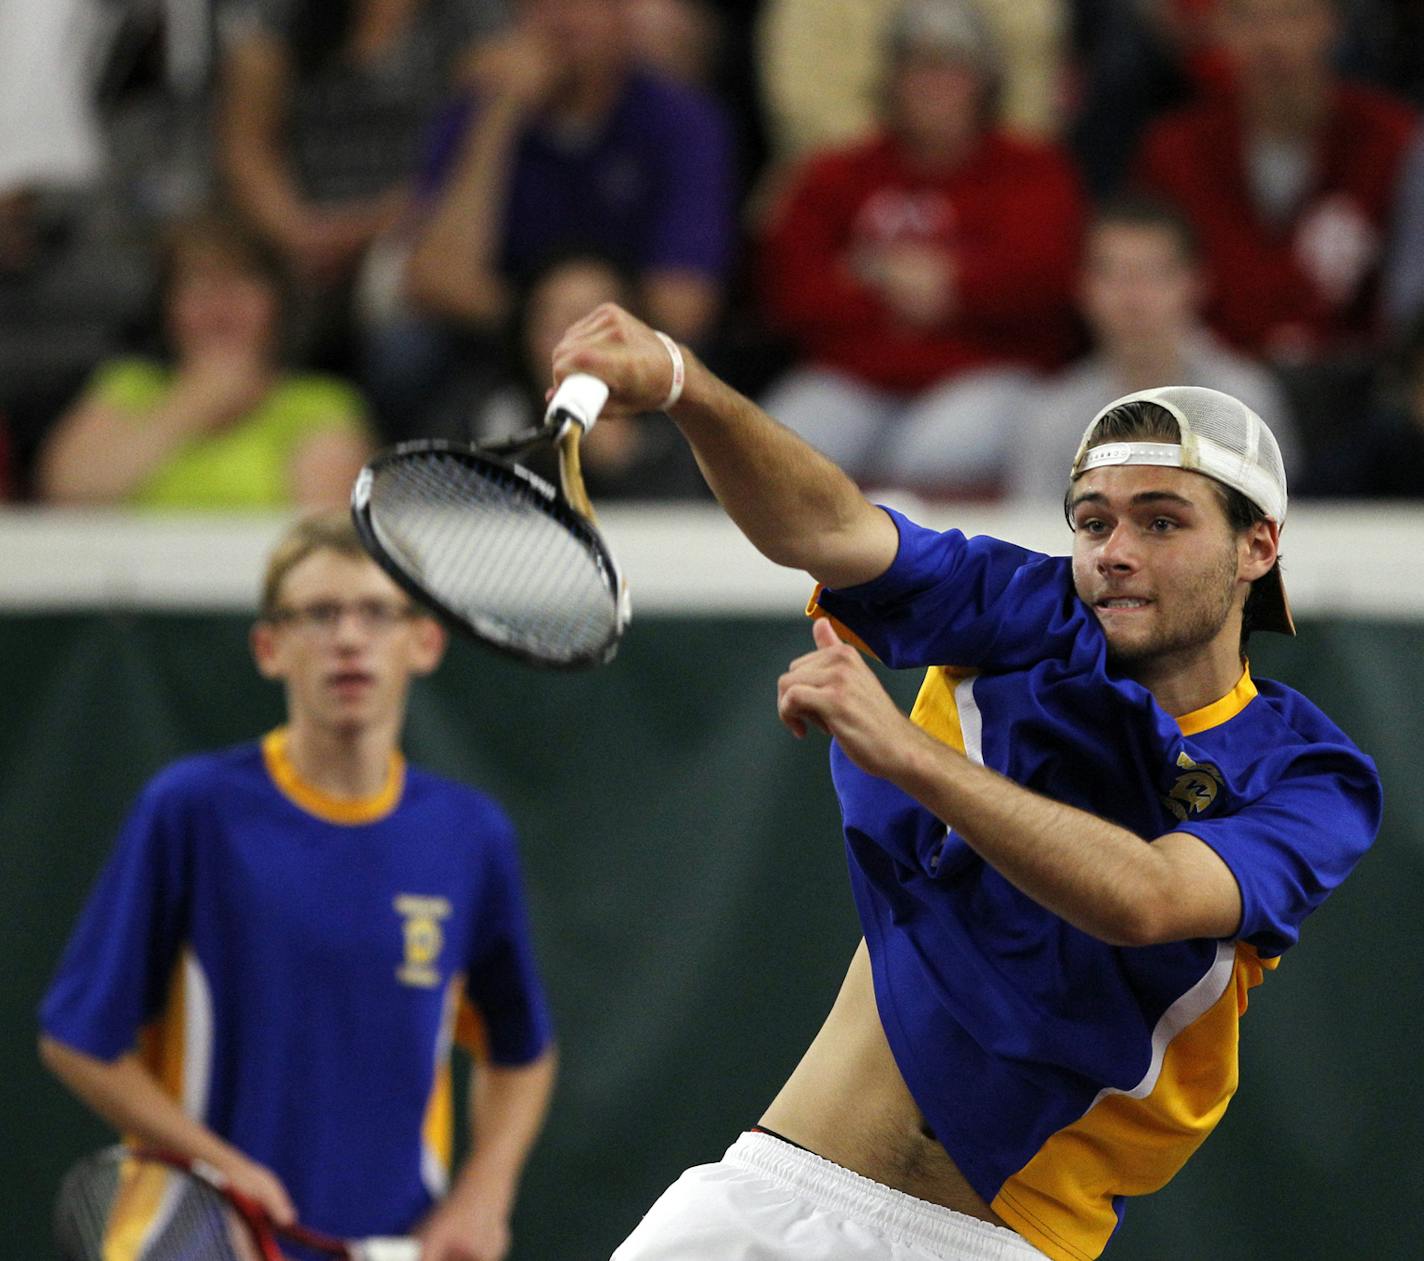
(243, 243)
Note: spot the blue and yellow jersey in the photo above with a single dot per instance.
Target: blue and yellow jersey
(295, 969)
(1063, 1074)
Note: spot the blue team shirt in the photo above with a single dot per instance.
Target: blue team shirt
(1063, 1074)
(295, 969)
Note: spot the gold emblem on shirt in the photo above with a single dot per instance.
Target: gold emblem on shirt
(423, 938)
(1196, 790)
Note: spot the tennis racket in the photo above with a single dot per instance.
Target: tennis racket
(493, 549)
(132, 1204)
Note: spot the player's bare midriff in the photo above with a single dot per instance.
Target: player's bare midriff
(847, 1102)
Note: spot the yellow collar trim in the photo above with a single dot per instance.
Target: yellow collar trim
(345, 810)
(1222, 710)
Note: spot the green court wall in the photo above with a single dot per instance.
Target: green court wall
(693, 920)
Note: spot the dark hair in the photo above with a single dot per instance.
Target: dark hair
(1144, 421)
(319, 32)
(571, 254)
(217, 231)
(1138, 211)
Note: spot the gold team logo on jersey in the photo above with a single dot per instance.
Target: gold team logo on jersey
(424, 938)
(1195, 791)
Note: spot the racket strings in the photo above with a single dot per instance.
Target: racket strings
(109, 1209)
(481, 539)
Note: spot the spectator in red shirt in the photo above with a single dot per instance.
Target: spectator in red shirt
(1290, 179)
(925, 274)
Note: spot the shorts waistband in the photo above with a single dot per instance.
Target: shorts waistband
(898, 1216)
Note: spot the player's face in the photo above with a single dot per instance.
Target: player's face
(346, 644)
(1156, 559)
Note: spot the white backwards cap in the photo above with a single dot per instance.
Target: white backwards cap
(1225, 440)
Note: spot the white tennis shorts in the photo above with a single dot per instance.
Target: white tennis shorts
(766, 1200)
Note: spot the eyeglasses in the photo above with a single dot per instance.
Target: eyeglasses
(375, 617)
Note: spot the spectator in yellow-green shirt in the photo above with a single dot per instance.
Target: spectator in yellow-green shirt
(219, 423)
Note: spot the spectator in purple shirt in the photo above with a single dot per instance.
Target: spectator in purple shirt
(565, 143)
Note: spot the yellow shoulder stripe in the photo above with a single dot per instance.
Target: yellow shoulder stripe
(936, 707)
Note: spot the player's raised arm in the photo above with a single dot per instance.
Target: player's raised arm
(795, 506)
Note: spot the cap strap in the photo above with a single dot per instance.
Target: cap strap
(1167, 454)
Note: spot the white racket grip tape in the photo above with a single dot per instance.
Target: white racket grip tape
(579, 398)
(388, 1250)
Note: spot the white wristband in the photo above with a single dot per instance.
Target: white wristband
(679, 371)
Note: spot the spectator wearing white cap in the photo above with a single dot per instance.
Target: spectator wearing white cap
(822, 68)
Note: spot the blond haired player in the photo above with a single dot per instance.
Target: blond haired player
(273, 964)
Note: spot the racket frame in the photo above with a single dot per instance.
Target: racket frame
(566, 513)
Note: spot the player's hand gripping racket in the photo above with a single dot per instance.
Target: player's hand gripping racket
(126, 1204)
(492, 548)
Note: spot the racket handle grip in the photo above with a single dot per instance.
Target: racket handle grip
(579, 398)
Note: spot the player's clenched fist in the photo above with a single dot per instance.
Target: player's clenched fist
(834, 689)
(622, 351)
